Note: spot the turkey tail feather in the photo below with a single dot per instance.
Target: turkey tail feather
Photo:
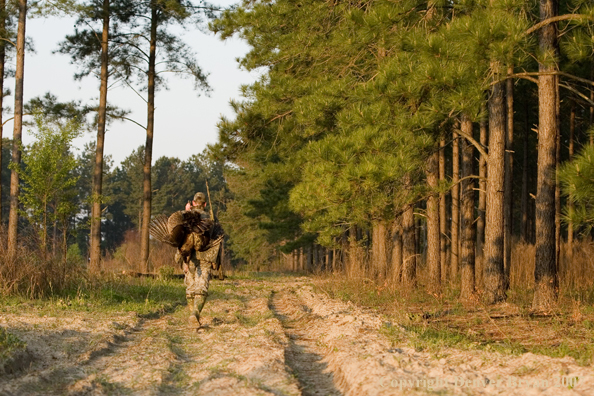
(159, 230)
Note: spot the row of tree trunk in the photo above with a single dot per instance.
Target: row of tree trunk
(95, 234)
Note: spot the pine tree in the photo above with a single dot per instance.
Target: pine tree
(17, 131)
(545, 271)
(468, 229)
(177, 58)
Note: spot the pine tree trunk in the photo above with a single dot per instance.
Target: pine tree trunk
(468, 245)
(509, 185)
(557, 186)
(334, 252)
(570, 198)
(64, 246)
(379, 251)
(524, 198)
(396, 257)
(545, 275)
(409, 248)
(420, 238)
(467, 252)
(482, 207)
(354, 267)
(494, 233)
(13, 217)
(383, 249)
(433, 253)
(374, 265)
(2, 61)
(148, 148)
(455, 244)
(442, 215)
(95, 236)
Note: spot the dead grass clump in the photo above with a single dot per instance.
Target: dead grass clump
(127, 256)
(35, 274)
(521, 273)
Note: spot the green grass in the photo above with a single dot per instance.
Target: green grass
(9, 345)
(253, 320)
(146, 297)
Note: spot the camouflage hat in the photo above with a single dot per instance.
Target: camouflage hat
(199, 198)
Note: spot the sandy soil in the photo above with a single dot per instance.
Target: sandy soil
(263, 337)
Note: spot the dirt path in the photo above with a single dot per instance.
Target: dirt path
(304, 355)
(263, 337)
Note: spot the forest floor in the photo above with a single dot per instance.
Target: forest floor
(267, 335)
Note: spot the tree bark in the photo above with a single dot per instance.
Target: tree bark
(545, 293)
(482, 207)
(524, 198)
(467, 253)
(557, 186)
(95, 237)
(315, 259)
(148, 148)
(455, 243)
(570, 198)
(433, 253)
(409, 248)
(396, 257)
(509, 185)
(2, 61)
(494, 233)
(442, 215)
(13, 217)
(354, 267)
(379, 249)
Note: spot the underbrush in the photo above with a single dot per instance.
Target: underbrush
(33, 273)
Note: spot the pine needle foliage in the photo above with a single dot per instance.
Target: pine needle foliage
(354, 97)
(577, 183)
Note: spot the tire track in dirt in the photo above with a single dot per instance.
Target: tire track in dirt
(62, 347)
(274, 337)
(303, 355)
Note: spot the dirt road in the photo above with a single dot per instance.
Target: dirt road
(262, 337)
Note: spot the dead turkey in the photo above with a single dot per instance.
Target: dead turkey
(181, 230)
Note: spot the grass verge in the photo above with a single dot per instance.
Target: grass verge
(147, 297)
(435, 322)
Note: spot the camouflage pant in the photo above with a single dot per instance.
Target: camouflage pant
(197, 278)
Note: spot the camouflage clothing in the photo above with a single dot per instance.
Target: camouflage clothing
(197, 272)
(197, 277)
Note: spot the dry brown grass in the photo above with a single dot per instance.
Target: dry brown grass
(127, 256)
(441, 320)
(576, 274)
(34, 274)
